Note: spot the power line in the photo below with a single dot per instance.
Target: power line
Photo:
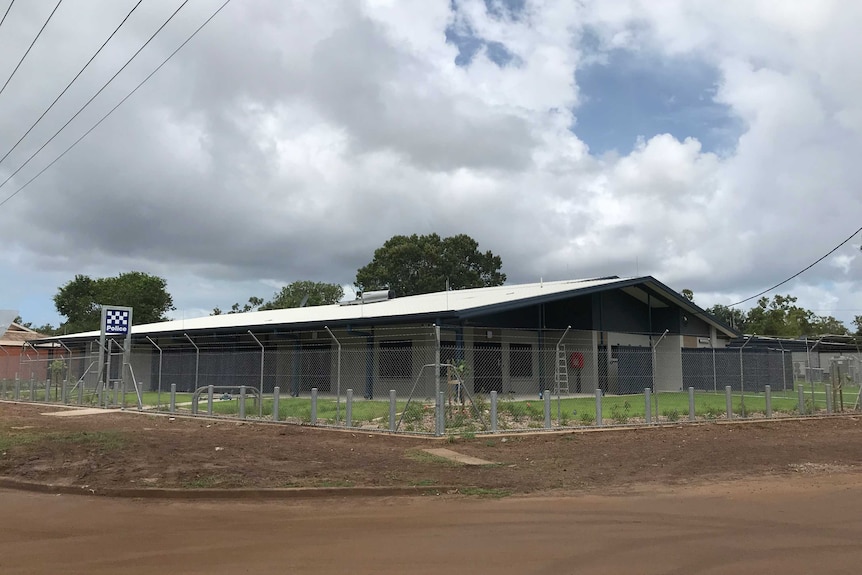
(31, 43)
(6, 13)
(120, 103)
(105, 85)
(799, 273)
(93, 57)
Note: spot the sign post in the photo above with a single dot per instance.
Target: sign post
(116, 321)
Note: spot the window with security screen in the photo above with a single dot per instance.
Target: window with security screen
(395, 359)
(520, 360)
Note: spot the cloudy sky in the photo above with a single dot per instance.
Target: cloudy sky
(716, 145)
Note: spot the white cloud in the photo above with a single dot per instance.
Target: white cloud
(292, 138)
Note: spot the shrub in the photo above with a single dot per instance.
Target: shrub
(671, 414)
(620, 415)
(587, 418)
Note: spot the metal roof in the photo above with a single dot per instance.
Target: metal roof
(457, 303)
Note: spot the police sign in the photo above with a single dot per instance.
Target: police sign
(117, 321)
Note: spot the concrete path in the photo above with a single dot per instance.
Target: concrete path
(455, 456)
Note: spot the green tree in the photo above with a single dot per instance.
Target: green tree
(253, 304)
(292, 295)
(307, 293)
(79, 300)
(687, 294)
(857, 321)
(46, 329)
(783, 318)
(828, 325)
(731, 316)
(411, 265)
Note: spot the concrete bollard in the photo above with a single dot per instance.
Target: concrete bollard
(348, 410)
(210, 392)
(728, 401)
(800, 391)
(392, 409)
(648, 405)
(313, 420)
(276, 394)
(599, 421)
(173, 405)
(767, 392)
(692, 412)
(828, 388)
(493, 412)
(547, 396)
(242, 395)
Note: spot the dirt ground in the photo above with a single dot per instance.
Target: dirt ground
(807, 523)
(117, 450)
(781, 497)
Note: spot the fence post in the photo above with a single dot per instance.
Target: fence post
(47, 391)
(801, 393)
(599, 421)
(828, 388)
(313, 406)
(32, 390)
(547, 396)
(63, 391)
(210, 390)
(692, 413)
(728, 400)
(81, 384)
(3, 382)
(493, 412)
(348, 410)
(173, 404)
(242, 394)
(392, 410)
(767, 390)
(276, 393)
(441, 412)
(648, 405)
(17, 389)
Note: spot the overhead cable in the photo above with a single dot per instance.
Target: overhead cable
(81, 71)
(799, 273)
(105, 85)
(112, 110)
(31, 43)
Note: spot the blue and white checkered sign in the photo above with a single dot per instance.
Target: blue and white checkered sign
(117, 321)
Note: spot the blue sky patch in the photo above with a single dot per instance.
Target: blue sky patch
(634, 94)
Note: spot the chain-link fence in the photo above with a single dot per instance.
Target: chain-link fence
(439, 380)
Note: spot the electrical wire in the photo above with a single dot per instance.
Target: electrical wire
(69, 85)
(105, 85)
(799, 273)
(93, 57)
(31, 43)
(6, 13)
(112, 110)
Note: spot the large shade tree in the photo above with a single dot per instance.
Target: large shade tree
(411, 265)
(80, 299)
(297, 294)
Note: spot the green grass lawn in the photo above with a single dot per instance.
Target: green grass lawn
(300, 408)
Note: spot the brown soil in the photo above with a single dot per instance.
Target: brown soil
(125, 449)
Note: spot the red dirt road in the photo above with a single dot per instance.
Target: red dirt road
(802, 524)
